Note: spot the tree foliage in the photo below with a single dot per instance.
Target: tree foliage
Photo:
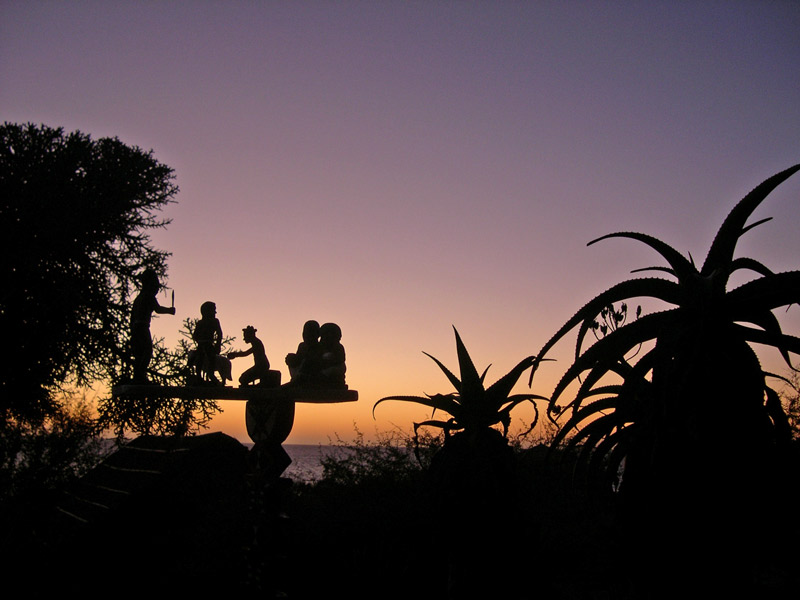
(160, 416)
(75, 217)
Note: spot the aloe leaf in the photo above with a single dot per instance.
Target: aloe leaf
(501, 388)
(588, 434)
(662, 269)
(447, 425)
(747, 228)
(453, 379)
(519, 399)
(592, 434)
(751, 264)
(610, 451)
(483, 375)
(783, 342)
(607, 351)
(773, 291)
(471, 385)
(604, 390)
(783, 428)
(439, 401)
(661, 289)
(682, 266)
(721, 251)
(574, 421)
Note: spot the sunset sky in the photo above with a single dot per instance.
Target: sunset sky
(400, 168)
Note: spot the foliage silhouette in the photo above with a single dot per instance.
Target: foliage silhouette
(74, 221)
(700, 431)
(473, 406)
(163, 416)
(471, 478)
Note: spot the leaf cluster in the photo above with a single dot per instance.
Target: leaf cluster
(163, 416)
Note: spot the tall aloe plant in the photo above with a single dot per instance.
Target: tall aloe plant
(693, 418)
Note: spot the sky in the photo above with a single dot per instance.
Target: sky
(404, 168)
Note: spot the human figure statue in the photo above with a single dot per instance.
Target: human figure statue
(144, 305)
(208, 337)
(305, 363)
(332, 364)
(260, 369)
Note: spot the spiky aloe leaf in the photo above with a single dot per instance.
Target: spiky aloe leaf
(774, 291)
(455, 381)
(504, 413)
(610, 452)
(783, 428)
(660, 289)
(783, 342)
(751, 264)
(721, 251)
(591, 435)
(518, 399)
(681, 266)
(579, 416)
(605, 353)
(747, 228)
(443, 402)
(498, 392)
(471, 381)
(448, 425)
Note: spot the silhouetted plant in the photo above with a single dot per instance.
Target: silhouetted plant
(75, 217)
(38, 459)
(790, 402)
(391, 456)
(473, 407)
(162, 416)
(472, 477)
(693, 418)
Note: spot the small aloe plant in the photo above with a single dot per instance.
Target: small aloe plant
(471, 478)
(472, 406)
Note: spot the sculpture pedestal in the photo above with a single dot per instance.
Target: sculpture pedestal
(269, 423)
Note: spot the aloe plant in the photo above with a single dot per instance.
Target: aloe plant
(471, 479)
(693, 418)
(472, 406)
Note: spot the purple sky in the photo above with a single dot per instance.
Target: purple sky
(402, 167)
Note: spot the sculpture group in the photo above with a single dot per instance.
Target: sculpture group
(319, 360)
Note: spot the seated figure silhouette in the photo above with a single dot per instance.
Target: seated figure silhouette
(144, 305)
(332, 355)
(305, 363)
(207, 335)
(260, 370)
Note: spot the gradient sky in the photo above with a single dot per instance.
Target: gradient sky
(400, 168)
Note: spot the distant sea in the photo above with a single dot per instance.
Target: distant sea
(306, 460)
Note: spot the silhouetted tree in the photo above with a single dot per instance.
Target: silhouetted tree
(75, 214)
